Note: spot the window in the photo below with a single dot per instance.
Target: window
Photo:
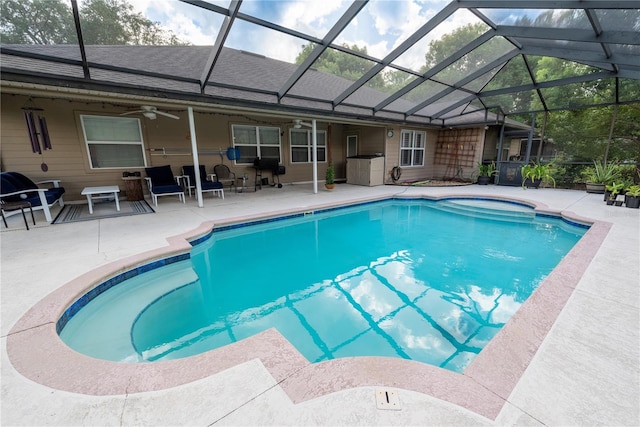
(256, 141)
(412, 148)
(301, 146)
(113, 142)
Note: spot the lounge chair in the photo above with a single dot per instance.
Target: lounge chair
(162, 182)
(15, 187)
(214, 187)
(224, 175)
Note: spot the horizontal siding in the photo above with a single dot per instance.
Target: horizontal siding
(410, 173)
(68, 158)
(391, 154)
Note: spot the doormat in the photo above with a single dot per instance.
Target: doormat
(102, 210)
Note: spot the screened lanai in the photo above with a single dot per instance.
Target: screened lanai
(438, 68)
(437, 63)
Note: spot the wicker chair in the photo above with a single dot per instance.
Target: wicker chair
(224, 175)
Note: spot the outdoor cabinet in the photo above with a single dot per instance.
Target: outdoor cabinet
(365, 170)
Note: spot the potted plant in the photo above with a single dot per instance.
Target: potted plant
(599, 175)
(633, 196)
(329, 178)
(613, 190)
(486, 172)
(534, 174)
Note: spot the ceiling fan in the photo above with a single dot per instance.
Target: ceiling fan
(150, 112)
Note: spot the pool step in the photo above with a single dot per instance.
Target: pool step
(88, 333)
(486, 210)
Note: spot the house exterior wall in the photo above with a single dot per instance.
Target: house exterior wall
(392, 156)
(65, 161)
(458, 152)
(68, 161)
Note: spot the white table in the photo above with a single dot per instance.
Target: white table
(106, 192)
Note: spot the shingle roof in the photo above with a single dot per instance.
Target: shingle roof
(601, 35)
(235, 75)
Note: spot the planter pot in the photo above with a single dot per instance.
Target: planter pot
(619, 202)
(329, 186)
(595, 188)
(484, 180)
(532, 184)
(633, 202)
(607, 194)
(610, 202)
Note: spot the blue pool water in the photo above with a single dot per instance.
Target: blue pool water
(416, 279)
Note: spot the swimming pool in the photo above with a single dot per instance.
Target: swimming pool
(428, 281)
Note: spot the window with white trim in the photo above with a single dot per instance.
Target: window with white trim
(412, 144)
(113, 142)
(256, 141)
(302, 146)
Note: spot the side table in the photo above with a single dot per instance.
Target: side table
(105, 192)
(133, 188)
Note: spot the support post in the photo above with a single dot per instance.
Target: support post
(527, 158)
(613, 125)
(194, 151)
(314, 148)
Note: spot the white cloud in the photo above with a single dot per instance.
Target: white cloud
(276, 45)
(189, 23)
(382, 26)
(311, 17)
(393, 22)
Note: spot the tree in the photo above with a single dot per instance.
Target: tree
(448, 44)
(580, 133)
(103, 22)
(342, 64)
(114, 22)
(395, 80)
(36, 22)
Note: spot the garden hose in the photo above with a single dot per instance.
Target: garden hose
(396, 172)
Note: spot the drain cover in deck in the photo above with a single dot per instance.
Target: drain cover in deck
(387, 399)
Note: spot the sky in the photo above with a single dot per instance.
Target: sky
(380, 26)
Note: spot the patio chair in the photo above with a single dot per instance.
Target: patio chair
(162, 182)
(15, 187)
(224, 175)
(15, 206)
(214, 187)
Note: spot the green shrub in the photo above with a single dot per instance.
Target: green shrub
(330, 175)
(602, 173)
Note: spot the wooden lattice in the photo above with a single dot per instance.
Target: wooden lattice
(455, 154)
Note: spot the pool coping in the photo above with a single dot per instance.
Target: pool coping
(483, 387)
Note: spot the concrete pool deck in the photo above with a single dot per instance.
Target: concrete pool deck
(585, 371)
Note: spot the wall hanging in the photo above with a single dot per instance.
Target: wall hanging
(37, 129)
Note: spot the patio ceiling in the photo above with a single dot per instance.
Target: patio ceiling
(491, 63)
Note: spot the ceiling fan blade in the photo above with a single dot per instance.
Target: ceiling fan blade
(131, 112)
(162, 113)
